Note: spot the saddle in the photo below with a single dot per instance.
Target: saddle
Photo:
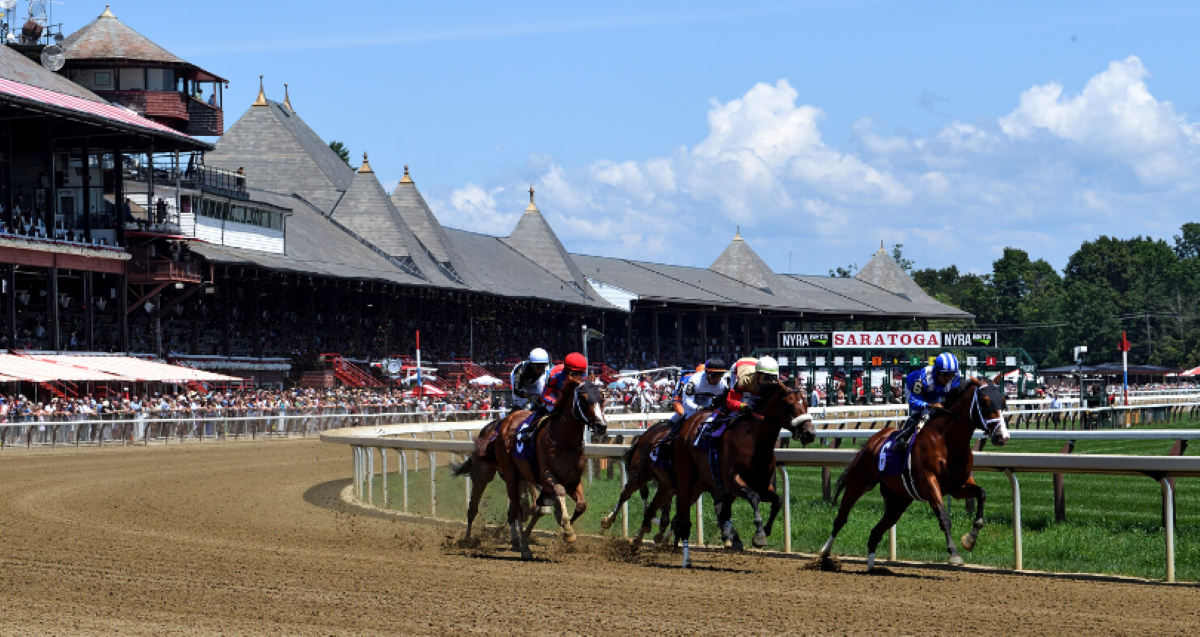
(525, 450)
(899, 464)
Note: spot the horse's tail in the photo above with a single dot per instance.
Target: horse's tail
(628, 456)
(463, 468)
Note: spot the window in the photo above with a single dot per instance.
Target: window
(133, 80)
(160, 79)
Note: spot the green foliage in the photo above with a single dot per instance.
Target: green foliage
(845, 272)
(1142, 286)
(341, 150)
(898, 256)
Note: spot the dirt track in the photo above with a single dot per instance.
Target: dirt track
(253, 538)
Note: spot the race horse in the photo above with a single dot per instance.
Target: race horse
(940, 463)
(745, 463)
(639, 473)
(557, 466)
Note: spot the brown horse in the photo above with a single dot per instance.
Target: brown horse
(640, 472)
(941, 461)
(557, 468)
(746, 464)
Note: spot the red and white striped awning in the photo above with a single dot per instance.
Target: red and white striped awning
(62, 100)
(129, 368)
(35, 370)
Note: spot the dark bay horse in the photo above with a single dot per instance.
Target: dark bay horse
(639, 473)
(746, 463)
(941, 465)
(557, 467)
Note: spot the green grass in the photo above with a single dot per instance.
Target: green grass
(1113, 523)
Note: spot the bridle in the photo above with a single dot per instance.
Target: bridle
(579, 414)
(988, 425)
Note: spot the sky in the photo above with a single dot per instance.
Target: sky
(654, 131)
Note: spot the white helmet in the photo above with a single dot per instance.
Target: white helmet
(767, 365)
(539, 355)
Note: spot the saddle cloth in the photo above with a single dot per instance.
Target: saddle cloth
(893, 463)
(525, 450)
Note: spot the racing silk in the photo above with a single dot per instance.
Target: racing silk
(920, 387)
(525, 385)
(739, 396)
(677, 395)
(699, 394)
(556, 378)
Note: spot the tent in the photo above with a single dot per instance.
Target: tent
(619, 384)
(1195, 371)
(486, 380)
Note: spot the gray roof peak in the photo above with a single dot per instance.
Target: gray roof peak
(261, 100)
(740, 262)
(406, 179)
(883, 271)
(365, 167)
(535, 240)
(532, 207)
(287, 99)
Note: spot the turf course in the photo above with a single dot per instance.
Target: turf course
(1113, 523)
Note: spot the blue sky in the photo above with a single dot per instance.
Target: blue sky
(651, 130)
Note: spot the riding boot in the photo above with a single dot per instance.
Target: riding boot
(906, 432)
(526, 430)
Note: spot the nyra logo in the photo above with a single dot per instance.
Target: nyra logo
(968, 339)
(803, 339)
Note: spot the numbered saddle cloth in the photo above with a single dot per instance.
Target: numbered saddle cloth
(894, 463)
(524, 450)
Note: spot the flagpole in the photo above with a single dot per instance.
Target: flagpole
(420, 382)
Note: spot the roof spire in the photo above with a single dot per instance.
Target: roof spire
(406, 179)
(287, 100)
(108, 14)
(365, 167)
(262, 97)
(738, 236)
(532, 206)
(881, 245)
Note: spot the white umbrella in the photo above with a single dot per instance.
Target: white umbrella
(486, 380)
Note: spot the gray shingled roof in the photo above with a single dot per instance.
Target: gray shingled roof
(314, 246)
(18, 68)
(423, 223)
(500, 269)
(535, 239)
(740, 262)
(107, 38)
(883, 271)
(282, 154)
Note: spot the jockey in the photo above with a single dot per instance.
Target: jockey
(575, 366)
(698, 392)
(926, 388)
(742, 396)
(528, 379)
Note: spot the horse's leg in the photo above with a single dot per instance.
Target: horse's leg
(580, 501)
(894, 506)
(481, 476)
(776, 504)
(683, 515)
(972, 490)
(933, 495)
(857, 484)
(743, 490)
(520, 542)
(661, 501)
(626, 493)
(664, 525)
(550, 485)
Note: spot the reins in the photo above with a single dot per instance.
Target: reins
(987, 424)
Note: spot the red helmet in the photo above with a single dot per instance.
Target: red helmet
(575, 362)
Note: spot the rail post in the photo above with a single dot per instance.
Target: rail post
(371, 476)
(383, 457)
(1018, 553)
(433, 484)
(1060, 497)
(787, 511)
(1168, 495)
(700, 520)
(404, 478)
(624, 505)
(892, 544)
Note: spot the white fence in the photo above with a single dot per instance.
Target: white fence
(367, 441)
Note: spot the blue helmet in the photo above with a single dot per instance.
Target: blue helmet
(945, 362)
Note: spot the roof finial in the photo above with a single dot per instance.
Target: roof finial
(262, 97)
(532, 206)
(406, 179)
(738, 236)
(287, 99)
(365, 167)
(108, 14)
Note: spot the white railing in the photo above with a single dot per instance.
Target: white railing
(365, 441)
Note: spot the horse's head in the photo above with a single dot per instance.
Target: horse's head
(588, 406)
(792, 409)
(988, 407)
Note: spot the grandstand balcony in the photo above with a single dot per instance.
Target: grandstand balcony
(163, 271)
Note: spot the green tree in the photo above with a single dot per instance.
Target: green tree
(845, 272)
(341, 150)
(898, 255)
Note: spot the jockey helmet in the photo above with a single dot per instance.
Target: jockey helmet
(945, 363)
(539, 355)
(715, 365)
(767, 365)
(575, 362)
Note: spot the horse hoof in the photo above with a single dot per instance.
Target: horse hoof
(968, 542)
(760, 540)
(546, 510)
(569, 538)
(658, 538)
(606, 522)
(728, 544)
(956, 560)
(737, 545)
(526, 555)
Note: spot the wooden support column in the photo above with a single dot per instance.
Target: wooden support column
(87, 191)
(51, 188)
(9, 216)
(123, 312)
(89, 315)
(657, 354)
(52, 309)
(226, 292)
(119, 195)
(10, 304)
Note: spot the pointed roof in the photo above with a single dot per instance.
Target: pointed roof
(282, 154)
(534, 239)
(740, 262)
(366, 211)
(421, 220)
(108, 39)
(882, 271)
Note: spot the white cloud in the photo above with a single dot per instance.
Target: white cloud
(1055, 171)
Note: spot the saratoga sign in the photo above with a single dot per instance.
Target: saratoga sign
(887, 339)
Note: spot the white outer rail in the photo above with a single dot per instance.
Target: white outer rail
(363, 441)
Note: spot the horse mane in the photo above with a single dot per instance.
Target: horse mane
(960, 391)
